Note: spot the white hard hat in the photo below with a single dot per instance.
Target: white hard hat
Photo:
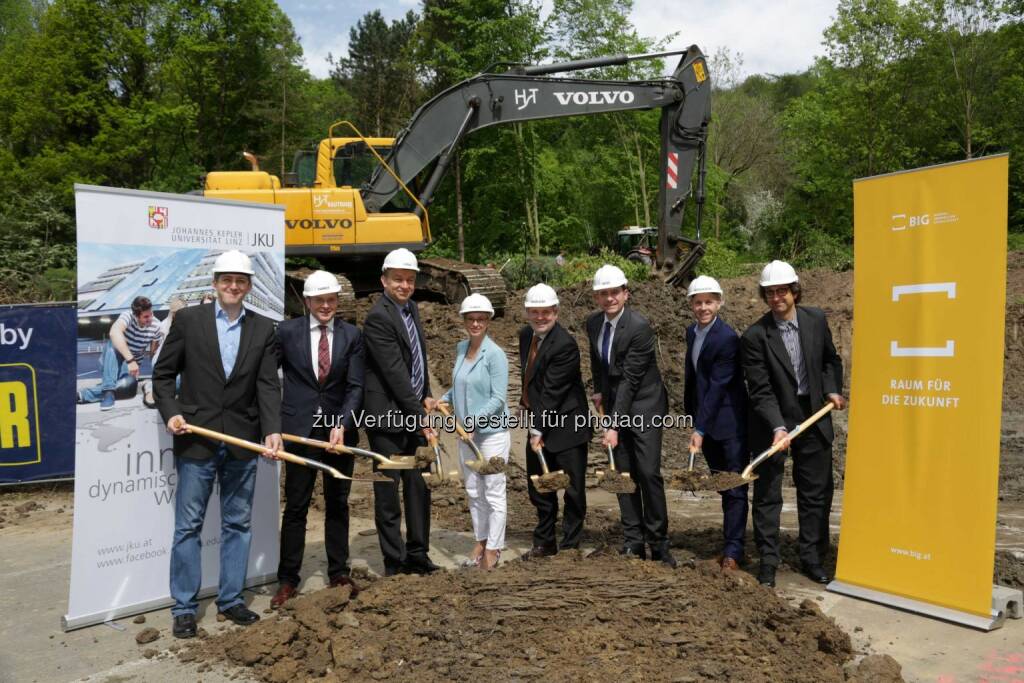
(778, 273)
(704, 284)
(476, 303)
(401, 259)
(540, 296)
(609, 276)
(233, 261)
(321, 282)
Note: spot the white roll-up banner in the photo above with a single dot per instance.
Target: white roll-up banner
(160, 246)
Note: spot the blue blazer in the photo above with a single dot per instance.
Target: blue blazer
(714, 393)
(485, 393)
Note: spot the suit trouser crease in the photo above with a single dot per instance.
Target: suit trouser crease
(730, 455)
(488, 503)
(236, 480)
(644, 512)
(574, 462)
(387, 506)
(812, 476)
(298, 490)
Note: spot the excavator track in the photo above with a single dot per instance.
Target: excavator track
(456, 280)
(294, 302)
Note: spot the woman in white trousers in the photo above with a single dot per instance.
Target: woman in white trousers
(479, 399)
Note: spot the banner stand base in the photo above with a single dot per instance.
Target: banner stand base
(1003, 605)
(70, 624)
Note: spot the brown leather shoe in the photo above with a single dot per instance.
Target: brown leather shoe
(285, 592)
(345, 581)
(729, 564)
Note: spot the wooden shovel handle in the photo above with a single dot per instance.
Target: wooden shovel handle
(600, 417)
(797, 431)
(443, 409)
(257, 448)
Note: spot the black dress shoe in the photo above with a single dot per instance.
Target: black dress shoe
(184, 626)
(816, 573)
(420, 565)
(241, 615)
(634, 551)
(766, 575)
(393, 569)
(539, 551)
(663, 555)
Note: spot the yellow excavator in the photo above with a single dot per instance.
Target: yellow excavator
(352, 199)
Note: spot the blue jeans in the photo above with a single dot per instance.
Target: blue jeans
(237, 481)
(112, 368)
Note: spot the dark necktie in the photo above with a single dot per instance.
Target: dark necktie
(605, 344)
(531, 359)
(417, 353)
(323, 358)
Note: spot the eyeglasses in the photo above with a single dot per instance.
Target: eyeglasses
(776, 292)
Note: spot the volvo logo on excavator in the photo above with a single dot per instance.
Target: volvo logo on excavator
(595, 97)
(318, 223)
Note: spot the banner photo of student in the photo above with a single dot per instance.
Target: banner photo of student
(37, 409)
(922, 465)
(143, 256)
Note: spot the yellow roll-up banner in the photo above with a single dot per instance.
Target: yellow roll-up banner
(922, 462)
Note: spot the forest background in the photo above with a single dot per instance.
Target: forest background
(151, 94)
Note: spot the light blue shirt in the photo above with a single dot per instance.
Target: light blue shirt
(699, 335)
(480, 387)
(229, 336)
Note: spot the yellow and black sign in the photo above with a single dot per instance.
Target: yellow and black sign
(922, 466)
(19, 416)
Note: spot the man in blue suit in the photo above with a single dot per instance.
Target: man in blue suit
(322, 363)
(715, 396)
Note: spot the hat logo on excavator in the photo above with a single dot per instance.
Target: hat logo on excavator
(595, 97)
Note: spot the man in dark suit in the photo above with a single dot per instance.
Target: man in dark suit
(555, 405)
(792, 368)
(322, 361)
(716, 398)
(397, 400)
(227, 361)
(628, 387)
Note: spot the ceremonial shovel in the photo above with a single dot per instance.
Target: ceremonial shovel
(481, 465)
(748, 474)
(257, 448)
(549, 482)
(395, 462)
(439, 479)
(613, 480)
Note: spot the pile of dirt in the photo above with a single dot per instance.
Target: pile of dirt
(565, 618)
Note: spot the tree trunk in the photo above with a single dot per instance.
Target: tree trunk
(458, 207)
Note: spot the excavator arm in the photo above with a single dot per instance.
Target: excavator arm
(528, 94)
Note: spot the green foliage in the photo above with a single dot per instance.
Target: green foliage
(522, 271)
(721, 262)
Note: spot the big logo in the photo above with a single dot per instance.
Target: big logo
(19, 416)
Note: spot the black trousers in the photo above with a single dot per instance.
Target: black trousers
(387, 508)
(730, 455)
(573, 462)
(812, 476)
(298, 490)
(644, 512)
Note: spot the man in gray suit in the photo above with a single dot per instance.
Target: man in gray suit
(628, 387)
(791, 368)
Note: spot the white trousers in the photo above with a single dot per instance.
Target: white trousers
(487, 500)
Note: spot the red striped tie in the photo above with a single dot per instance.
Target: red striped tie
(323, 360)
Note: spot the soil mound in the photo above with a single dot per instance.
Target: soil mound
(600, 618)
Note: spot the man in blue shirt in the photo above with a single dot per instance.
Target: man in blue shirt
(226, 358)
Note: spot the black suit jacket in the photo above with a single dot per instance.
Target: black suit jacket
(247, 404)
(340, 397)
(771, 382)
(714, 393)
(555, 388)
(632, 385)
(388, 386)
